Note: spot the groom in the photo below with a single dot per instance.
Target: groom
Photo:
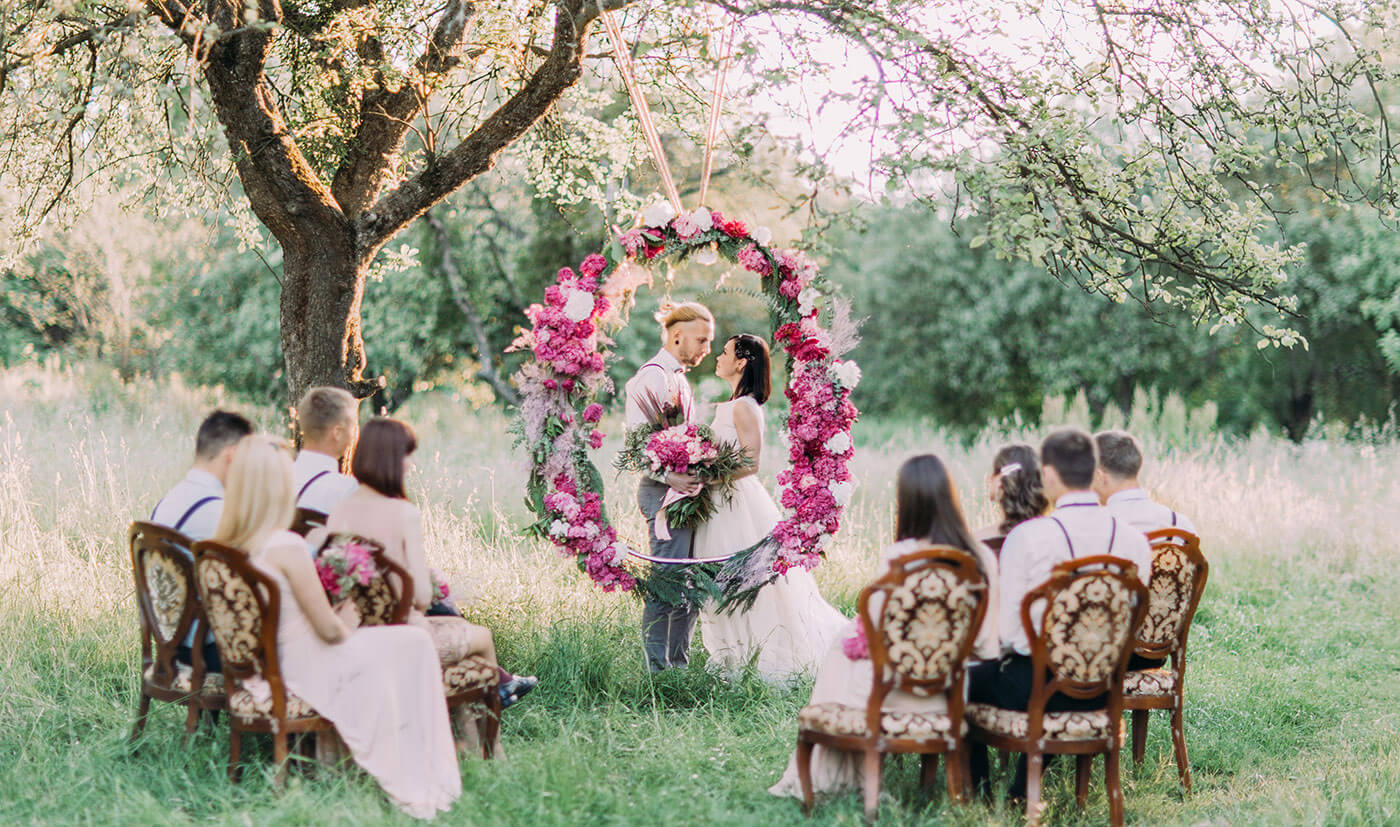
(686, 332)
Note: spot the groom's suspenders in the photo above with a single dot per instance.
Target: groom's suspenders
(1112, 535)
(308, 484)
(189, 512)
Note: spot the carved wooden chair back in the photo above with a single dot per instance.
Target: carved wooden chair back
(1179, 572)
(243, 606)
(166, 597)
(920, 633)
(1090, 609)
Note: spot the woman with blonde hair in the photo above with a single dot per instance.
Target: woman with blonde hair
(380, 686)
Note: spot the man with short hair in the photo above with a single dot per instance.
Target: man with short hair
(193, 507)
(1116, 483)
(329, 425)
(1078, 527)
(686, 333)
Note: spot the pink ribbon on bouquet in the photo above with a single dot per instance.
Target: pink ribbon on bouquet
(663, 529)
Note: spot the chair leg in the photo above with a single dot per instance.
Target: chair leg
(804, 772)
(191, 717)
(279, 755)
(1083, 765)
(955, 767)
(1183, 767)
(873, 760)
(235, 747)
(1034, 768)
(142, 710)
(1139, 734)
(491, 730)
(1115, 789)
(929, 766)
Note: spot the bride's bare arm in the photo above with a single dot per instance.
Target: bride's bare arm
(750, 436)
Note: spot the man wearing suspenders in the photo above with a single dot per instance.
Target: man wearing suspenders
(194, 505)
(329, 426)
(1116, 483)
(686, 332)
(1078, 527)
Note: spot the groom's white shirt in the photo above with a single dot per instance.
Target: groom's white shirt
(666, 381)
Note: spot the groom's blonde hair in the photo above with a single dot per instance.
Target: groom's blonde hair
(672, 315)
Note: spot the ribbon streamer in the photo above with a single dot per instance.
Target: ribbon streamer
(716, 103)
(623, 58)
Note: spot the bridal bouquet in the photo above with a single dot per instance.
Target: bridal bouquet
(343, 563)
(684, 449)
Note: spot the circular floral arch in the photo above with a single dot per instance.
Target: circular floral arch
(560, 388)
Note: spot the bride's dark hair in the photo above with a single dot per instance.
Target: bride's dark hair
(1019, 491)
(755, 381)
(927, 508)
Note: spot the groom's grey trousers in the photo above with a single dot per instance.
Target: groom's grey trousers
(666, 630)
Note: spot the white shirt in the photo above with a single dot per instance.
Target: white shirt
(177, 509)
(318, 481)
(1034, 547)
(1133, 505)
(664, 377)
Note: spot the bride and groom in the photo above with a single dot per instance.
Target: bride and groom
(789, 627)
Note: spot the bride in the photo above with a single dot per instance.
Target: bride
(789, 627)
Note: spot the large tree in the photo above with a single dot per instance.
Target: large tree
(1125, 145)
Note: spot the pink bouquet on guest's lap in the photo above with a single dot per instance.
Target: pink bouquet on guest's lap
(438, 580)
(343, 564)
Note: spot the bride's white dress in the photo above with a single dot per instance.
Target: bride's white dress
(790, 627)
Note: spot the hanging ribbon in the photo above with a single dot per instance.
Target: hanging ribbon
(716, 103)
(623, 58)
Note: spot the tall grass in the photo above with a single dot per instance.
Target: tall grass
(1292, 691)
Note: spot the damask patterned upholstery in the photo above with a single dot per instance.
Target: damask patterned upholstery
(925, 619)
(469, 673)
(250, 705)
(1150, 682)
(375, 601)
(1058, 726)
(1169, 594)
(234, 615)
(184, 674)
(840, 719)
(1087, 624)
(165, 583)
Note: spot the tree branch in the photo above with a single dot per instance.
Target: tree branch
(477, 152)
(462, 298)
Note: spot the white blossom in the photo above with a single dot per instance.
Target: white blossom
(703, 219)
(846, 374)
(839, 443)
(619, 555)
(658, 214)
(558, 528)
(579, 305)
(807, 300)
(762, 235)
(842, 491)
(707, 256)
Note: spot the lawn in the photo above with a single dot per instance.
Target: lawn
(1293, 688)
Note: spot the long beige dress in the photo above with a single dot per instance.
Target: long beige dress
(382, 688)
(846, 681)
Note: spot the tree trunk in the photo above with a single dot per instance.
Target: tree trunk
(323, 284)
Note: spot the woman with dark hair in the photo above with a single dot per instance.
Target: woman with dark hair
(1015, 488)
(379, 510)
(926, 511)
(789, 626)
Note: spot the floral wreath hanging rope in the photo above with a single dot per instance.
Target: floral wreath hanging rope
(560, 389)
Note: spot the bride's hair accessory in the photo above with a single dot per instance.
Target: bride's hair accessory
(1009, 469)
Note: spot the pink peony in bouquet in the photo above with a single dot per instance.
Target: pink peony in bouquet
(343, 563)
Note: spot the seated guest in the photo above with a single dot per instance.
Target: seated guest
(926, 511)
(379, 509)
(1078, 527)
(1116, 483)
(328, 426)
(194, 505)
(380, 686)
(1015, 488)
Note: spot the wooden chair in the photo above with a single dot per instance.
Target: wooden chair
(168, 606)
(1179, 572)
(306, 519)
(931, 604)
(1092, 606)
(388, 599)
(243, 605)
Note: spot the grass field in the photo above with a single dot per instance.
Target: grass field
(1293, 688)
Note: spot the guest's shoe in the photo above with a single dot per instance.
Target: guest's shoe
(516, 688)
